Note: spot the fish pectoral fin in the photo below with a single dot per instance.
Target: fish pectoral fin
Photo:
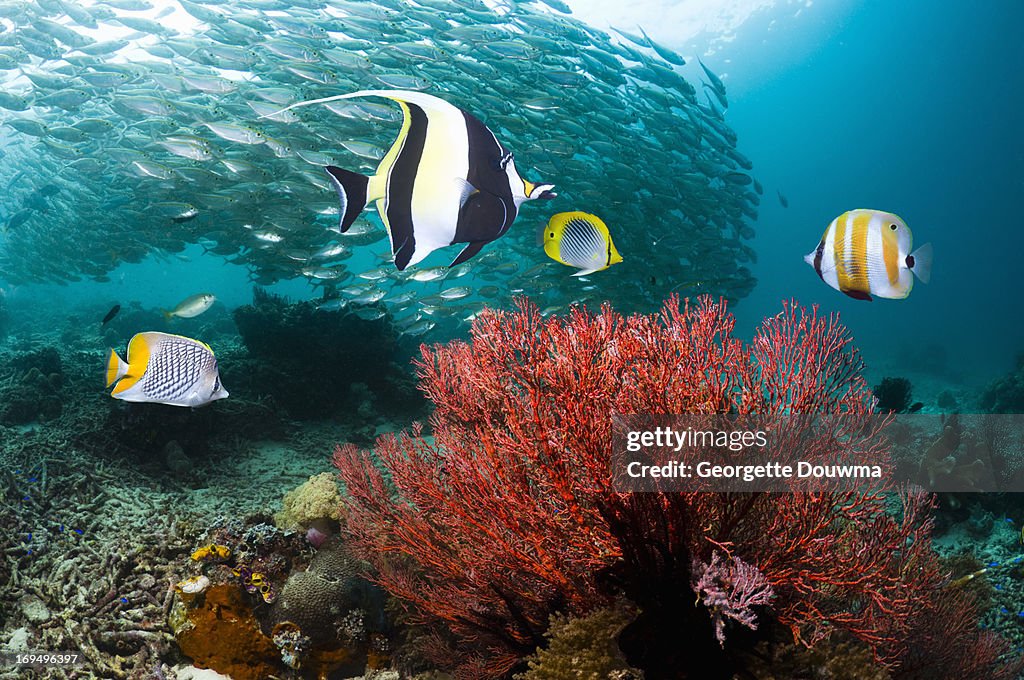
(465, 190)
(483, 217)
(468, 252)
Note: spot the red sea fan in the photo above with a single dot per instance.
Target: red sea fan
(508, 514)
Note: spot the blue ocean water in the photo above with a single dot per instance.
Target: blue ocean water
(906, 107)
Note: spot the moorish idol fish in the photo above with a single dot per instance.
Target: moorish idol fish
(446, 179)
(165, 369)
(580, 240)
(868, 252)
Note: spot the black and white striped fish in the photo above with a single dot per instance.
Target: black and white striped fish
(446, 179)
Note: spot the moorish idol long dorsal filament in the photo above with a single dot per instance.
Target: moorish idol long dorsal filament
(446, 179)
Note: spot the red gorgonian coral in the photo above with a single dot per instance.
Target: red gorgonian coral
(508, 513)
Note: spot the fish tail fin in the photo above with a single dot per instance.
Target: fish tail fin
(352, 193)
(613, 254)
(920, 262)
(168, 316)
(116, 368)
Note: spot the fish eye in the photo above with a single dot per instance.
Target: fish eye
(551, 235)
(893, 227)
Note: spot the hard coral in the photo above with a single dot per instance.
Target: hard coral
(509, 514)
(329, 605)
(34, 388)
(315, 620)
(318, 498)
(584, 647)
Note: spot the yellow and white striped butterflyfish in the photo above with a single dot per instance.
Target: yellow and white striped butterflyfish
(446, 179)
(580, 240)
(165, 369)
(868, 252)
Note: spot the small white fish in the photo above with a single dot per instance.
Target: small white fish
(335, 305)
(430, 274)
(455, 293)
(369, 297)
(370, 313)
(192, 306)
(364, 149)
(236, 133)
(420, 327)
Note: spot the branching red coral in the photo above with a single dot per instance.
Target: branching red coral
(509, 514)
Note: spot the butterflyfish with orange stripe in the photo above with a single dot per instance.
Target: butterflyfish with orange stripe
(165, 369)
(446, 179)
(869, 252)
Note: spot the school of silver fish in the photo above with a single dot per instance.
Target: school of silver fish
(113, 149)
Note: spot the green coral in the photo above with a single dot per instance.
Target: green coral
(583, 648)
(318, 498)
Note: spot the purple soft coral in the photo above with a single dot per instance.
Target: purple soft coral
(730, 589)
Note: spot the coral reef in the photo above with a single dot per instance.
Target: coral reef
(69, 580)
(1006, 394)
(30, 390)
(218, 630)
(315, 500)
(259, 605)
(508, 516)
(329, 604)
(893, 395)
(103, 502)
(315, 364)
(583, 648)
(961, 452)
(838, 658)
